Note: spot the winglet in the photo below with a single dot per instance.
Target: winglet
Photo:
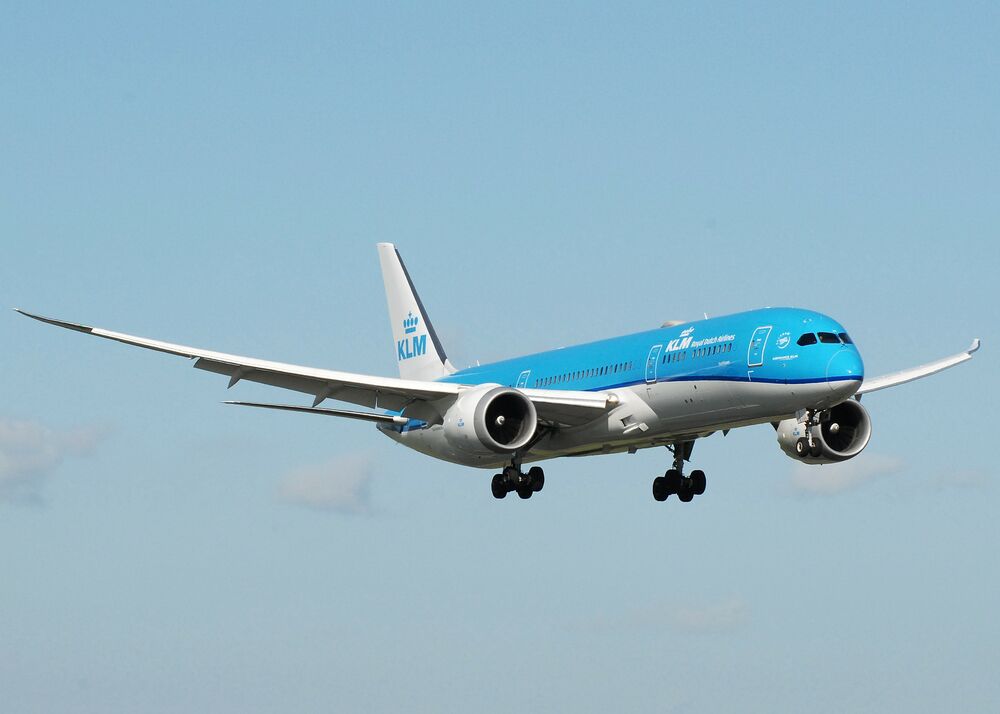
(976, 343)
(57, 323)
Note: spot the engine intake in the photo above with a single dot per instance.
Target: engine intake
(495, 419)
(843, 433)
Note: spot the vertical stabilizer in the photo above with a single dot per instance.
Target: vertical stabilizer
(418, 350)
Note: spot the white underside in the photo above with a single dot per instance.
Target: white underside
(652, 415)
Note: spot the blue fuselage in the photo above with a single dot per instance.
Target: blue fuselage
(760, 346)
(670, 385)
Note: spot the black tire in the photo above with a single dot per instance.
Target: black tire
(673, 480)
(686, 495)
(698, 482)
(660, 490)
(802, 448)
(499, 486)
(817, 449)
(536, 477)
(524, 491)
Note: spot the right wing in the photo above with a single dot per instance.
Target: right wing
(908, 375)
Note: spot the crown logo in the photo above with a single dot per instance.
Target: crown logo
(410, 324)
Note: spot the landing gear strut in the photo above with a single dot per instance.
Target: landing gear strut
(674, 480)
(513, 479)
(808, 445)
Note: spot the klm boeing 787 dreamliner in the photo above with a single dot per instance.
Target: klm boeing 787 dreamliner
(796, 369)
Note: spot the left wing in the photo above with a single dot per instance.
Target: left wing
(376, 392)
(567, 408)
(908, 375)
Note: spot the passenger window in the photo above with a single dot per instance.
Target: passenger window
(807, 339)
(828, 338)
(846, 338)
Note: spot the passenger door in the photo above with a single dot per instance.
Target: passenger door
(651, 361)
(755, 355)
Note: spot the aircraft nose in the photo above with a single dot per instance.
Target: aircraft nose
(845, 371)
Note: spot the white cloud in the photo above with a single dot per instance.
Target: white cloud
(686, 616)
(30, 452)
(961, 480)
(832, 479)
(340, 485)
(710, 617)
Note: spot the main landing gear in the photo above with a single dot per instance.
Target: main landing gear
(513, 479)
(674, 480)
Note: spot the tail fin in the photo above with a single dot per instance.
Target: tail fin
(418, 349)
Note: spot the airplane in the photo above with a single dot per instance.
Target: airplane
(797, 369)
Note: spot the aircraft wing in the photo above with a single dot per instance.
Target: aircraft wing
(908, 375)
(554, 406)
(570, 408)
(376, 392)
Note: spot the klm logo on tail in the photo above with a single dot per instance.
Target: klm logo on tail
(410, 347)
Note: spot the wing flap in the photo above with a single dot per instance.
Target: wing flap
(570, 408)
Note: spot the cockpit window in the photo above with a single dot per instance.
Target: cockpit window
(807, 339)
(829, 338)
(846, 338)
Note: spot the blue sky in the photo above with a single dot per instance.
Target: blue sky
(219, 176)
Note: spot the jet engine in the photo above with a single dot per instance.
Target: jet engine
(490, 420)
(842, 433)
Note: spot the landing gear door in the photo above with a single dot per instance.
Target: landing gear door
(651, 362)
(755, 355)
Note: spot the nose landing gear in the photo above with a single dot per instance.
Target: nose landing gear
(808, 445)
(675, 482)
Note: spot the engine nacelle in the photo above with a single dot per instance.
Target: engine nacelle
(843, 432)
(490, 420)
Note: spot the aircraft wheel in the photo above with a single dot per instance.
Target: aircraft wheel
(686, 495)
(499, 486)
(673, 480)
(536, 477)
(698, 482)
(524, 491)
(816, 450)
(660, 490)
(802, 447)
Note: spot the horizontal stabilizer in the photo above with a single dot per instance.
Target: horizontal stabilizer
(363, 416)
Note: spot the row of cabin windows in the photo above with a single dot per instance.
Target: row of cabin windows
(584, 374)
(723, 348)
(827, 338)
